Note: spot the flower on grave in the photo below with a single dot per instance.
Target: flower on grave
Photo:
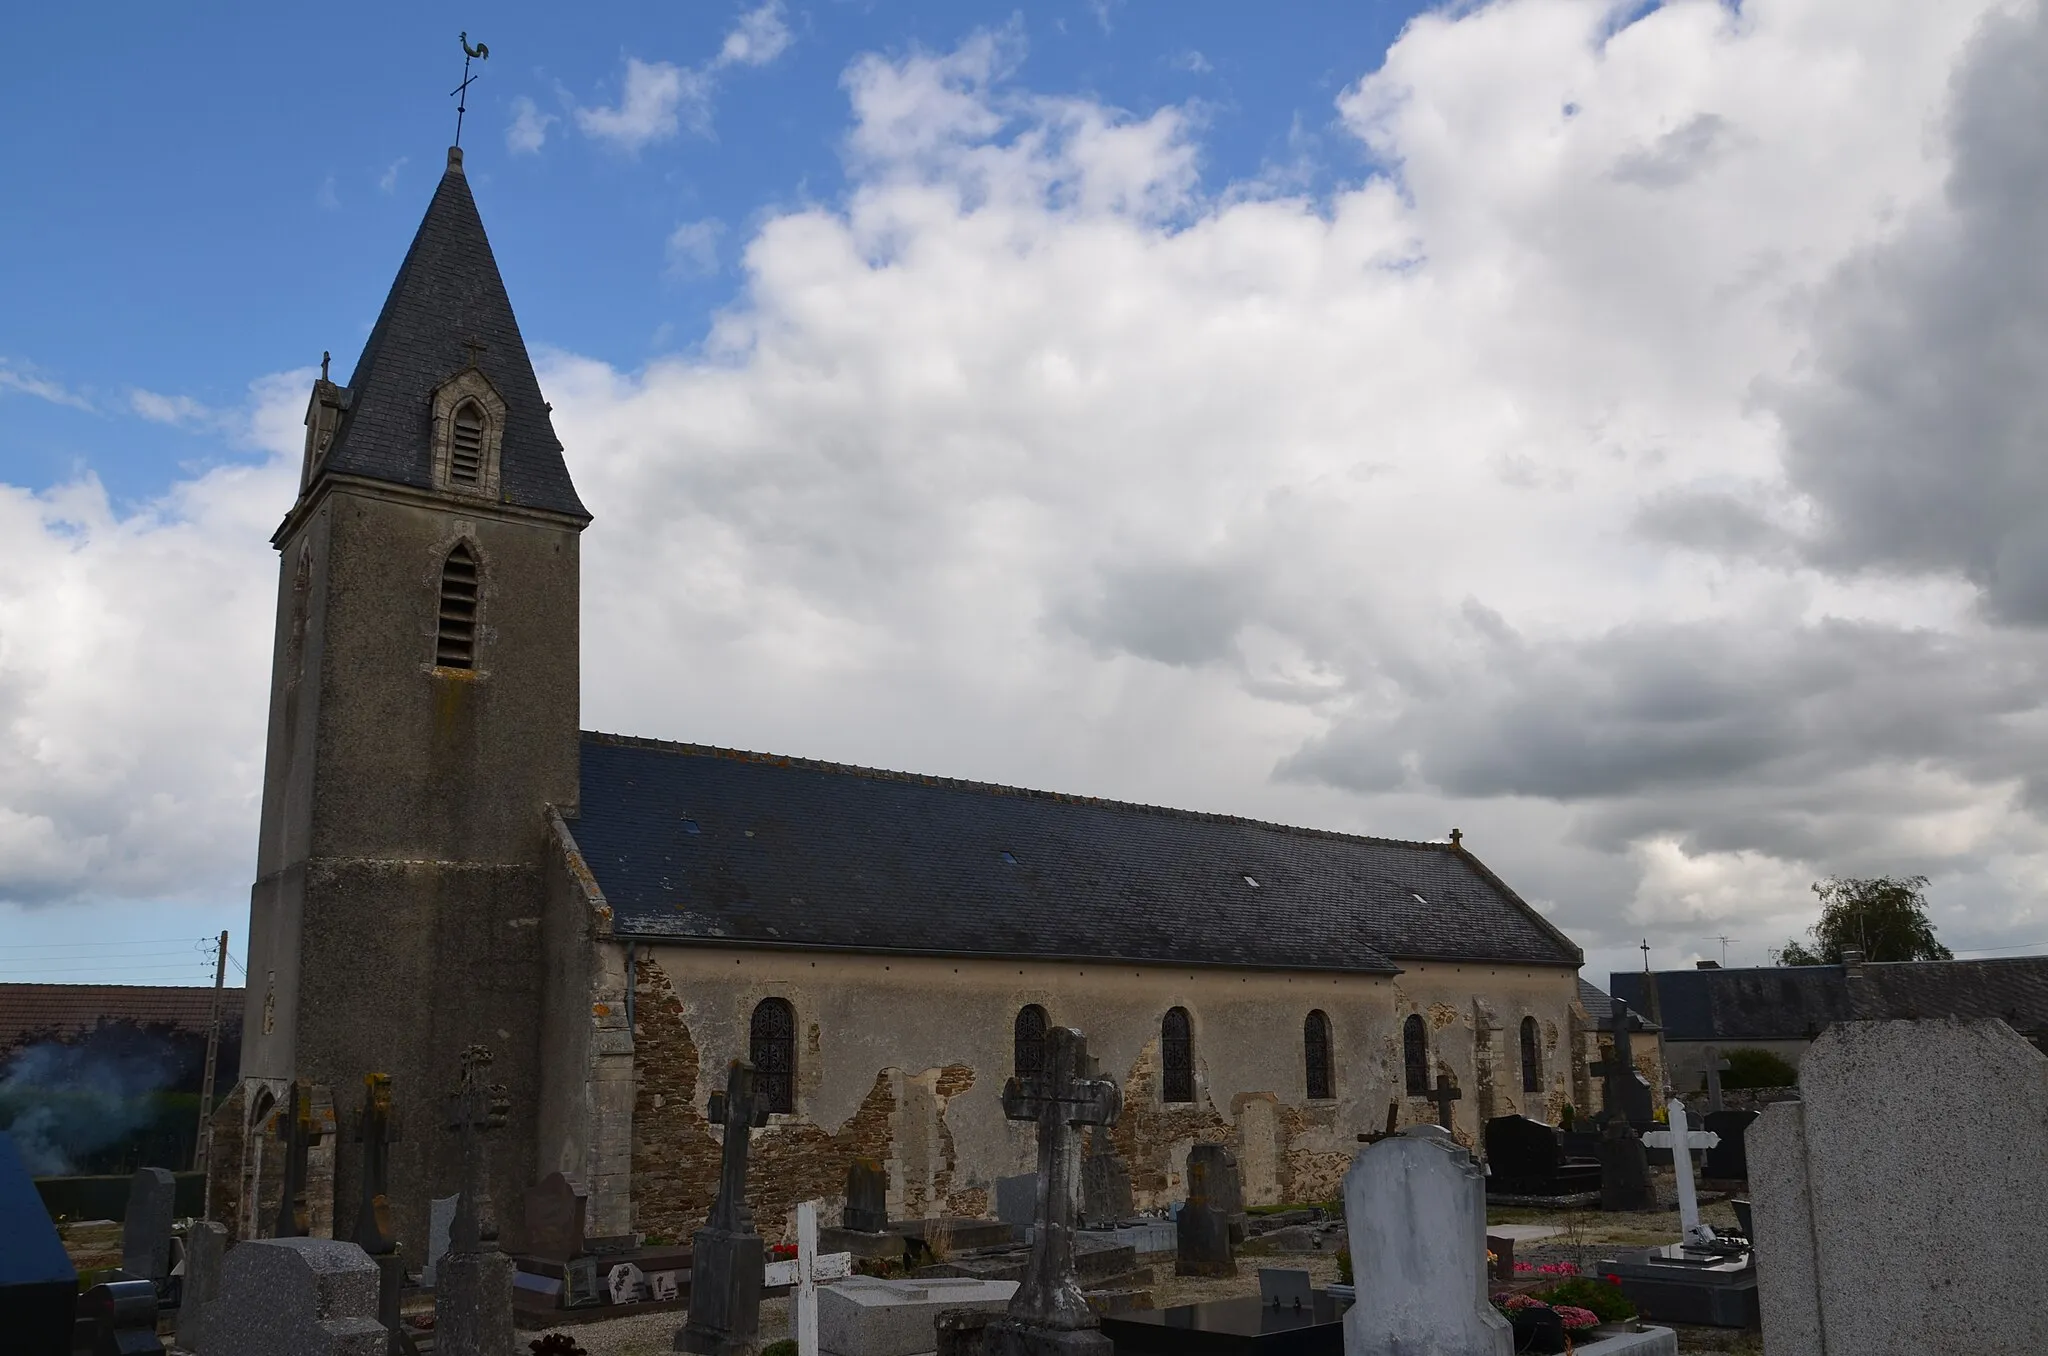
(1514, 1304)
(1613, 1279)
(1558, 1269)
(782, 1252)
(1491, 1260)
(1577, 1319)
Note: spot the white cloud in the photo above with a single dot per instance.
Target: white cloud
(693, 248)
(761, 35)
(1191, 61)
(658, 98)
(177, 410)
(1036, 459)
(529, 129)
(42, 388)
(387, 182)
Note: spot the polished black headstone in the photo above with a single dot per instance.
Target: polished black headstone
(1527, 1158)
(1727, 1161)
(1624, 1170)
(38, 1285)
(1233, 1327)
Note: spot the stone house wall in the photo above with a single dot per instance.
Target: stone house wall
(903, 1059)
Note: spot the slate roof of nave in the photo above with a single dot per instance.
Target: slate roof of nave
(448, 291)
(720, 846)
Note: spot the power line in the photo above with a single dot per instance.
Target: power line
(133, 941)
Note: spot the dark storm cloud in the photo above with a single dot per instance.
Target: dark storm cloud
(1717, 522)
(1923, 434)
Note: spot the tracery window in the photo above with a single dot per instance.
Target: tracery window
(772, 1047)
(1029, 1058)
(1315, 1050)
(1177, 1054)
(1415, 1054)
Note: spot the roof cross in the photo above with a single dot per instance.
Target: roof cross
(475, 346)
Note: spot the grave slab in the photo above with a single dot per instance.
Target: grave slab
(1651, 1341)
(308, 1296)
(1676, 1284)
(1233, 1327)
(38, 1285)
(863, 1316)
(206, 1245)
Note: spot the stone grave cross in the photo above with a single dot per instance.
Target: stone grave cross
(803, 1274)
(1062, 1098)
(740, 1114)
(1682, 1141)
(377, 1127)
(1445, 1094)
(1624, 1090)
(1716, 1066)
(295, 1127)
(727, 1258)
(478, 1106)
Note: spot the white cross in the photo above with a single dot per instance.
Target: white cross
(804, 1272)
(1682, 1142)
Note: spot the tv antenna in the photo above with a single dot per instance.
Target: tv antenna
(1724, 947)
(461, 92)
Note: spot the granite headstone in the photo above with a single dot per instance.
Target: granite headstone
(146, 1229)
(1202, 1229)
(1017, 1199)
(206, 1245)
(122, 1316)
(307, 1296)
(555, 1212)
(1527, 1158)
(1624, 1169)
(1415, 1208)
(1105, 1190)
(867, 1197)
(1727, 1161)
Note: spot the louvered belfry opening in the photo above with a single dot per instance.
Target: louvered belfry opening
(466, 449)
(455, 641)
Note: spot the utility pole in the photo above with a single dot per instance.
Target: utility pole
(201, 1157)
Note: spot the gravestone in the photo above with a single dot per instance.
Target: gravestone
(122, 1315)
(1716, 1066)
(1527, 1158)
(1415, 1208)
(146, 1231)
(376, 1128)
(473, 1282)
(802, 1275)
(1048, 1316)
(1105, 1189)
(1202, 1229)
(1681, 1139)
(1624, 1091)
(1017, 1199)
(727, 1257)
(867, 1197)
(298, 1132)
(1892, 1202)
(867, 1316)
(38, 1284)
(1443, 1095)
(1702, 1279)
(1728, 1160)
(307, 1296)
(440, 1226)
(1624, 1169)
(206, 1245)
(555, 1213)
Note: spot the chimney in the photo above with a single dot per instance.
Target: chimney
(1852, 964)
(1706, 965)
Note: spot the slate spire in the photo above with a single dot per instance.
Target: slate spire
(448, 310)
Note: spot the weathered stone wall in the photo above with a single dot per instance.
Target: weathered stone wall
(903, 1059)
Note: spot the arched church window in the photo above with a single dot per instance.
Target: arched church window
(1177, 1053)
(455, 638)
(1029, 1057)
(1315, 1050)
(1532, 1057)
(771, 1045)
(466, 448)
(1415, 1054)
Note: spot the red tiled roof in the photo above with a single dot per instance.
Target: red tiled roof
(29, 1010)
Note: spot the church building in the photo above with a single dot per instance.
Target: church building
(447, 860)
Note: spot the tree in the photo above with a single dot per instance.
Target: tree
(1884, 917)
(1752, 1068)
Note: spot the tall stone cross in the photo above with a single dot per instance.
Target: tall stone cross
(1445, 1094)
(377, 1126)
(740, 1113)
(478, 1106)
(1062, 1098)
(1716, 1066)
(295, 1127)
(1618, 1072)
(802, 1274)
(1682, 1140)
(727, 1258)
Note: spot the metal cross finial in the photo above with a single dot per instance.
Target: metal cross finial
(461, 92)
(1646, 955)
(475, 346)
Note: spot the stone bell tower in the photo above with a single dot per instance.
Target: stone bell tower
(423, 716)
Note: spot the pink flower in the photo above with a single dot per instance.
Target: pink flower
(1522, 1268)
(1577, 1319)
(1516, 1303)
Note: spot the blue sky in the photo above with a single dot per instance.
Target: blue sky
(1336, 414)
(208, 200)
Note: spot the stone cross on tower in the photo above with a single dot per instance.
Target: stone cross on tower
(1445, 1094)
(1063, 1098)
(294, 1126)
(1716, 1066)
(478, 1106)
(1682, 1141)
(727, 1258)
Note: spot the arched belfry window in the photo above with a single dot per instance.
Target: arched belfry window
(1315, 1052)
(771, 1045)
(1532, 1057)
(1177, 1054)
(1415, 1054)
(466, 445)
(455, 635)
(1029, 1058)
